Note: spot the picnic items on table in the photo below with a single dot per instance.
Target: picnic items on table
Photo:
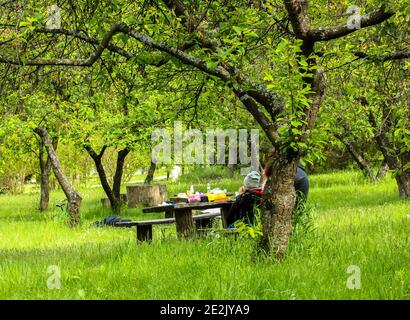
(217, 195)
(212, 195)
(194, 198)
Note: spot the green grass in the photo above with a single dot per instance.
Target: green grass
(356, 223)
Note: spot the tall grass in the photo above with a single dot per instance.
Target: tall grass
(354, 222)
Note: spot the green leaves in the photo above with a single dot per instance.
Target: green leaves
(30, 22)
(247, 230)
(131, 20)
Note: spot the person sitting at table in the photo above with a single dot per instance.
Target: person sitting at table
(301, 181)
(250, 196)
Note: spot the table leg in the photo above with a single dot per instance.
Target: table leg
(224, 216)
(185, 223)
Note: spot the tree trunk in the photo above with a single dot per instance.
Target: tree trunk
(403, 177)
(45, 171)
(73, 197)
(382, 170)
(150, 195)
(116, 186)
(363, 164)
(150, 175)
(279, 203)
(230, 170)
(395, 162)
(403, 183)
(280, 196)
(114, 193)
(97, 158)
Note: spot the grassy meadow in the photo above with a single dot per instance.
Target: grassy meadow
(356, 223)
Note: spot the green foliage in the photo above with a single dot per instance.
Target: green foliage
(290, 83)
(117, 101)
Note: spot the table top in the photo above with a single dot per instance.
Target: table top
(186, 206)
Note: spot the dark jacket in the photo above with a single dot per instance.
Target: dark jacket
(243, 207)
(301, 181)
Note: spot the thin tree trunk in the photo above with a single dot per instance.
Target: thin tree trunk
(394, 161)
(119, 170)
(114, 193)
(384, 168)
(45, 171)
(73, 197)
(97, 158)
(230, 170)
(363, 164)
(150, 175)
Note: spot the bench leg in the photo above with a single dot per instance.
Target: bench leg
(144, 233)
(185, 223)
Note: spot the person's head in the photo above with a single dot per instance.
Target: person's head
(252, 180)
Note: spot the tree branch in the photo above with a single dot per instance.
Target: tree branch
(159, 61)
(94, 154)
(259, 116)
(260, 94)
(90, 40)
(297, 11)
(326, 34)
(115, 28)
(388, 57)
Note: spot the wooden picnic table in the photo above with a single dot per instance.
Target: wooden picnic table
(183, 213)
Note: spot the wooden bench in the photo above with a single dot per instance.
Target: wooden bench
(183, 214)
(144, 227)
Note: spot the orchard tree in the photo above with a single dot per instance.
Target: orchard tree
(368, 103)
(266, 52)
